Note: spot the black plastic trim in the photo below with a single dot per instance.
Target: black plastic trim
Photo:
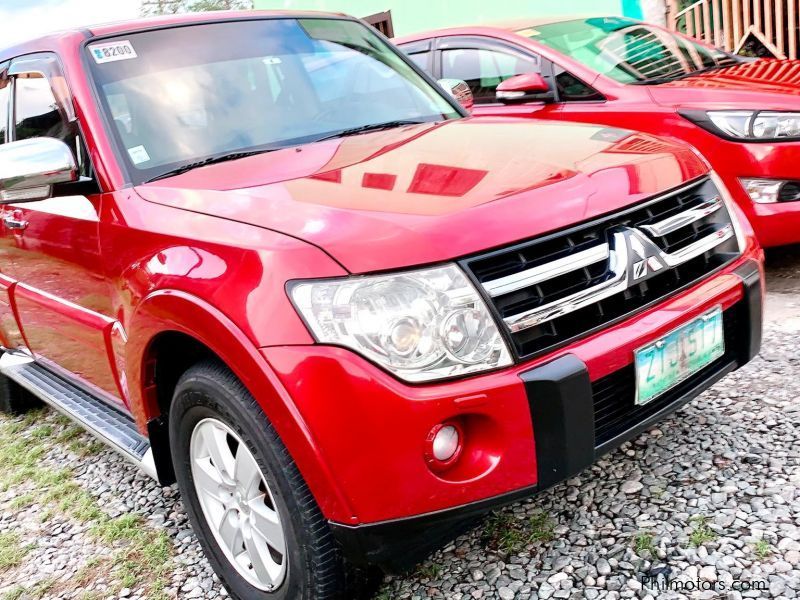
(398, 545)
(562, 411)
(158, 434)
(753, 306)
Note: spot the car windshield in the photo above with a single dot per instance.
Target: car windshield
(627, 50)
(182, 96)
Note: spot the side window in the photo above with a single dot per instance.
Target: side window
(422, 60)
(37, 112)
(485, 69)
(572, 89)
(420, 53)
(36, 109)
(4, 105)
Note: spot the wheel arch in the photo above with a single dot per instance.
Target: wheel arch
(175, 329)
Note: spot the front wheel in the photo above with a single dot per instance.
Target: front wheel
(258, 524)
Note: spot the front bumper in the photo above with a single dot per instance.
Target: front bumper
(560, 394)
(536, 421)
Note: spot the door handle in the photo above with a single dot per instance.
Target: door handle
(11, 223)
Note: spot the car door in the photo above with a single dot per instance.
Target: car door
(9, 331)
(60, 293)
(484, 63)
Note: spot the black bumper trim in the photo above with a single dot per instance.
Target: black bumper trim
(753, 282)
(400, 544)
(562, 412)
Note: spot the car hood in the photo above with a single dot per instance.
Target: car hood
(426, 193)
(761, 84)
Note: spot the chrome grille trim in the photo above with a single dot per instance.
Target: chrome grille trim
(561, 266)
(701, 246)
(616, 284)
(683, 219)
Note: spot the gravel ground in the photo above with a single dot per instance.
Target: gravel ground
(711, 496)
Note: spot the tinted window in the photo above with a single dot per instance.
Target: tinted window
(627, 50)
(484, 70)
(4, 100)
(252, 86)
(570, 88)
(422, 60)
(36, 109)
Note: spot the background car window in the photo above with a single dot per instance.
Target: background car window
(422, 60)
(626, 50)
(572, 89)
(4, 99)
(484, 70)
(36, 109)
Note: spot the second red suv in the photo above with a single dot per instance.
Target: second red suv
(741, 114)
(263, 255)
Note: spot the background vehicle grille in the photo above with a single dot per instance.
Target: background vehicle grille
(614, 395)
(543, 272)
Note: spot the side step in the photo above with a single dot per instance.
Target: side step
(103, 421)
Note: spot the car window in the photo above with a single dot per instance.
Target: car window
(422, 60)
(628, 51)
(572, 89)
(36, 109)
(4, 101)
(252, 86)
(484, 69)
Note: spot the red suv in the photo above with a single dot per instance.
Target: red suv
(741, 114)
(264, 255)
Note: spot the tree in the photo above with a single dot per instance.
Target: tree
(173, 7)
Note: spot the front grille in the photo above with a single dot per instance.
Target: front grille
(613, 396)
(551, 290)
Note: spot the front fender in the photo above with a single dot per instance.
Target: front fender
(177, 311)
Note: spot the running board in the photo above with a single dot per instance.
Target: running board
(98, 418)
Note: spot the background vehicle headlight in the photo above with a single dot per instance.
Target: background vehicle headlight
(420, 325)
(750, 124)
(768, 191)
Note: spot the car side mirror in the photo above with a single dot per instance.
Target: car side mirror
(30, 168)
(459, 90)
(528, 87)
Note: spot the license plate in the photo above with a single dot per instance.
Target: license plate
(663, 364)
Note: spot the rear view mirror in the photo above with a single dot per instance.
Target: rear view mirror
(459, 90)
(524, 88)
(30, 168)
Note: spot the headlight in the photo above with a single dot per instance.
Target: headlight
(768, 191)
(420, 325)
(749, 124)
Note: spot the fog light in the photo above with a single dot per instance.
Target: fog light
(769, 191)
(443, 446)
(445, 443)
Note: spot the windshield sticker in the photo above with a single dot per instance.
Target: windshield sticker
(112, 51)
(138, 154)
(528, 32)
(271, 60)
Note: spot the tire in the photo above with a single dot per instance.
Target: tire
(15, 399)
(210, 404)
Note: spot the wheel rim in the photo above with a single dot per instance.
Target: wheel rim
(238, 505)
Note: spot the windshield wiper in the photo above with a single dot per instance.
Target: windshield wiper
(678, 76)
(370, 127)
(211, 160)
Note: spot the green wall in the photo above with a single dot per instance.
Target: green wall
(409, 16)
